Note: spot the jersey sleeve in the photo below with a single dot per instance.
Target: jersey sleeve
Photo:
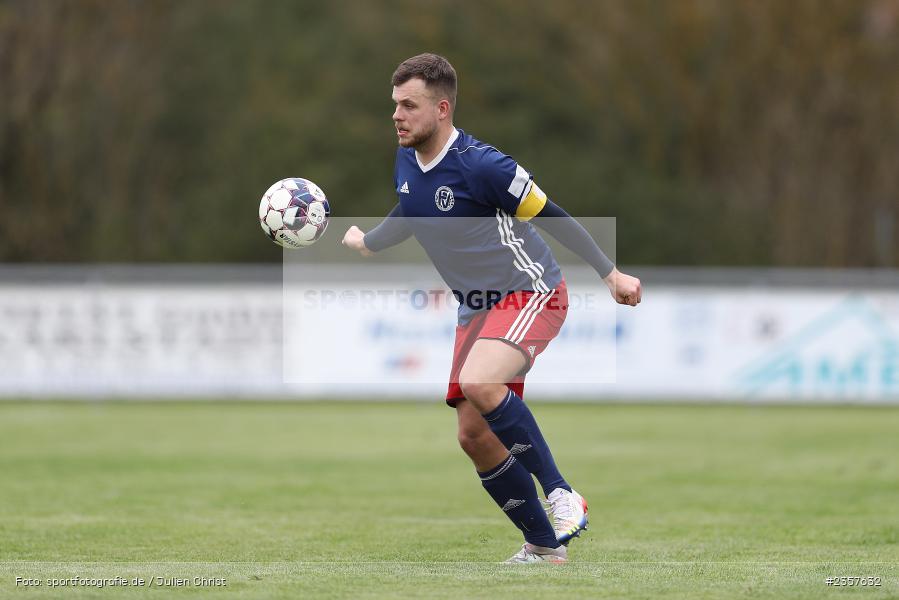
(502, 183)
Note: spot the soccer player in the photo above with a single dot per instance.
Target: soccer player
(513, 298)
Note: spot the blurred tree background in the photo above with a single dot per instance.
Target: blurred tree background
(718, 132)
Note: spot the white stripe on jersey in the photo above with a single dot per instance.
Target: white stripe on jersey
(519, 181)
(467, 148)
(535, 270)
(521, 261)
(519, 243)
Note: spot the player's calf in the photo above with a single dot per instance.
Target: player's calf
(512, 488)
(476, 440)
(482, 447)
(516, 428)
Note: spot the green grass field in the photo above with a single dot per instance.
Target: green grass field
(346, 500)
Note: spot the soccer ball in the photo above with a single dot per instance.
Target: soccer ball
(294, 213)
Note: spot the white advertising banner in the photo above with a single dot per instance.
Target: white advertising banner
(708, 343)
(206, 340)
(138, 340)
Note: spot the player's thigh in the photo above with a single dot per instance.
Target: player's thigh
(492, 361)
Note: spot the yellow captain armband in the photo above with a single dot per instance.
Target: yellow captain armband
(531, 203)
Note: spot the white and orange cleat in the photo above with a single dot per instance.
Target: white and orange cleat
(568, 513)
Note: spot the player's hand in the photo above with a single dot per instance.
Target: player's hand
(355, 238)
(625, 289)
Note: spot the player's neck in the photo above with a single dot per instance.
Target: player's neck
(430, 149)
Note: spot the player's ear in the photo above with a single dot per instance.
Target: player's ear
(443, 109)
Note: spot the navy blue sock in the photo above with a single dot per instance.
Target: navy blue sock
(514, 425)
(512, 488)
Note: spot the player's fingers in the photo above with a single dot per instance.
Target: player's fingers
(631, 298)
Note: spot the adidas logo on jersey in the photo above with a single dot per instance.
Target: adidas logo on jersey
(405, 188)
(519, 448)
(512, 503)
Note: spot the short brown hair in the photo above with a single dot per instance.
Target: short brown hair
(437, 73)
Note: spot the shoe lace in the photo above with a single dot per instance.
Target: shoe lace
(562, 507)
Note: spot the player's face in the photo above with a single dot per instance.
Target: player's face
(416, 114)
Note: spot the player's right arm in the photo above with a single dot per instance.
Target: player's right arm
(391, 231)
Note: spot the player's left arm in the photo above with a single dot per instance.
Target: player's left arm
(501, 182)
(553, 219)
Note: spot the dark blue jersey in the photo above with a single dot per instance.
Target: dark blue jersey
(486, 248)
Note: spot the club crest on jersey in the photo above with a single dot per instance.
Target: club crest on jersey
(443, 198)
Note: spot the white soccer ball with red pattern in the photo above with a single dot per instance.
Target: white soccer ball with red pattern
(294, 213)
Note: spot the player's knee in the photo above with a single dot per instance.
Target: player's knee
(474, 442)
(477, 392)
(469, 441)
